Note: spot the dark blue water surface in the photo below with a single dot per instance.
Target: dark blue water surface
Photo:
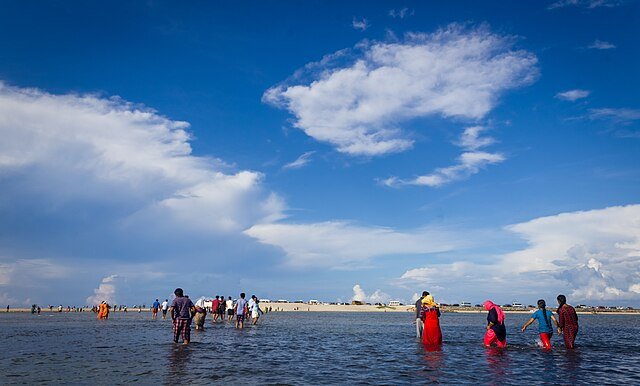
(309, 348)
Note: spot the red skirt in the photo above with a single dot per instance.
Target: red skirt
(431, 334)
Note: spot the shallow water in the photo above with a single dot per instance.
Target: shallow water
(309, 348)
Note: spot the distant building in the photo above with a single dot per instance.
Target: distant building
(465, 304)
(357, 302)
(313, 301)
(394, 303)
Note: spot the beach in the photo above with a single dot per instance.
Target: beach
(304, 307)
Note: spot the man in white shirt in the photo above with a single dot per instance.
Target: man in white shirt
(165, 307)
(240, 308)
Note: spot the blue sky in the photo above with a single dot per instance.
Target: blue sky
(320, 150)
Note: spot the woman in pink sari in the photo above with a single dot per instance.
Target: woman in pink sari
(496, 331)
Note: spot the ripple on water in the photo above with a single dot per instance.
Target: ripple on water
(309, 348)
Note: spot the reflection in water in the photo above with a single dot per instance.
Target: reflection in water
(498, 363)
(179, 356)
(572, 364)
(434, 361)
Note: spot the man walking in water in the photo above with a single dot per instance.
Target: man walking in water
(241, 306)
(215, 306)
(165, 307)
(230, 308)
(154, 309)
(181, 311)
(419, 322)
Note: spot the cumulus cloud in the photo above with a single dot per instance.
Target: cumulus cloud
(356, 100)
(585, 4)
(84, 147)
(360, 24)
(601, 45)
(377, 297)
(339, 244)
(106, 291)
(573, 95)
(300, 162)
(470, 162)
(591, 255)
(98, 178)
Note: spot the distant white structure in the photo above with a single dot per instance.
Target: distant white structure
(282, 301)
(465, 304)
(313, 301)
(265, 301)
(517, 305)
(394, 303)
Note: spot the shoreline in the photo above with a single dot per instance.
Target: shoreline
(302, 307)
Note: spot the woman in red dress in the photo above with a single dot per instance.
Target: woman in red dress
(430, 314)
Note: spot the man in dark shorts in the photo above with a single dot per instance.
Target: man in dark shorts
(241, 311)
(165, 307)
(215, 307)
(229, 306)
(181, 311)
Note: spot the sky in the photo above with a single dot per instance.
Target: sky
(331, 150)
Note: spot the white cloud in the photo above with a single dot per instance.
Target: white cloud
(338, 244)
(401, 13)
(470, 162)
(573, 95)
(74, 148)
(106, 291)
(377, 297)
(358, 106)
(618, 115)
(585, 3)
(300, 162)
(601, 45)
(360, 24)
(103, 181)
(30, 270)
(590, 255)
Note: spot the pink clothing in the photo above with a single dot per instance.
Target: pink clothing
(488, 305)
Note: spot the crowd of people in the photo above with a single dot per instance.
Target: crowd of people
(428, 323)
(183, 311)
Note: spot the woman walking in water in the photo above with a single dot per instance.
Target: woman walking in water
(544, 318)
(430, 312)
(496, 331)
(567, 322)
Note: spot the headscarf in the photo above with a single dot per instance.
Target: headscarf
(428, 301)
(488, 305)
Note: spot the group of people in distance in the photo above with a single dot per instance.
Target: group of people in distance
(182, 311)
(428, 323)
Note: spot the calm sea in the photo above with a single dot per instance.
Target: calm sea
(308, 348)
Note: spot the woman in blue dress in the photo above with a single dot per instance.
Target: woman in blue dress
(544, 318)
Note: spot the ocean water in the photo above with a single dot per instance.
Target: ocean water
(309, 348)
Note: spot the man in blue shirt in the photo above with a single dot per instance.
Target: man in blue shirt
(154, 309)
